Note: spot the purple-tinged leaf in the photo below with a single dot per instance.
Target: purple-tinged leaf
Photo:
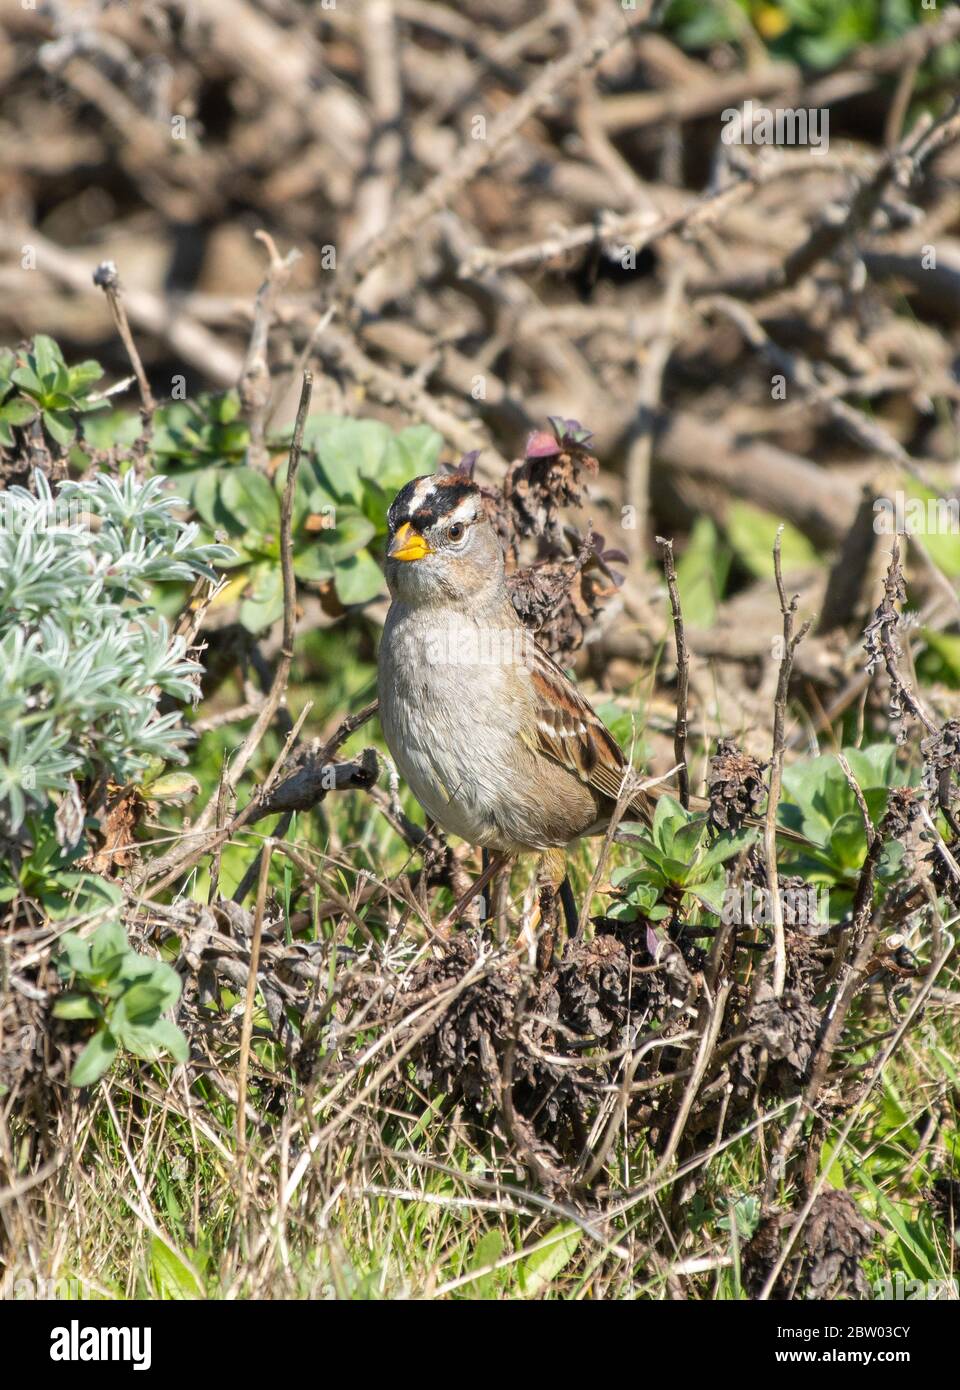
(541, 445)
(468, 463)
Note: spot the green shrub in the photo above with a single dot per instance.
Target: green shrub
(84, 658)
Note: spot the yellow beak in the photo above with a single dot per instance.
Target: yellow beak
(408, 544)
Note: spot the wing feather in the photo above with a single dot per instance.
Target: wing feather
(571, 733)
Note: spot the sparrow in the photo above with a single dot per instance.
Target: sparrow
(495, 742)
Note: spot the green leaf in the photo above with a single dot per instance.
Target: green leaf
(687, 839)
(202, 489)
(891, 860)
(727, 847)
(411, 453)
(924, 1262)
(134, 967)
(28, 381)
(675, 870)
(320, 499)
(819, 788)
(668, 818)
(874, 765)
(82, 893)
(486, 1252)
(249, 497)
(173, 786)
(848, 840)
(76, 1006)
(318, 424)
(95, 1059)
(932, 518)
(752, 533)
(108, 947)
(702, 573)
(376, 505)
(710, 893)
(940, 662)
(351, 533)
(311, 562)
(18, 412)
(316, 427)
(74, 956)
(540, 1269)
(173, 1278)
(142, 1003)
(650, 852)
(113, 429)
(263, 603)
(48, 362)
(88, 405)
(160, 989)
(148, 1040)
(168, 1036)
(223, 409)
(346, 451)
(745, 1213)
(644, 896)
(359, 578)
(82, 376)
(59, 426)
(807, 783)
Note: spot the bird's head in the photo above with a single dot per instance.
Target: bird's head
(443, 547)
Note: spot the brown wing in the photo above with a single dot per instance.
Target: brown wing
(569, 732)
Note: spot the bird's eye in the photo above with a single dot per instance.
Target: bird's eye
(456, 531)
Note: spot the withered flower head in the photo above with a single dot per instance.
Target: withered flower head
(549, 477)
(735, 786)
(824, 1263)
(904, 807)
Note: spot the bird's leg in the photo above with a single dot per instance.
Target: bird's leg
(500, 896)
(570, 914)
(496, 863)
(550, 875)
(486, 902)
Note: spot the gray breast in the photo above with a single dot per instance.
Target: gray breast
(451, 719)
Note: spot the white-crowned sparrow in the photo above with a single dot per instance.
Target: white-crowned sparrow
(494, 741)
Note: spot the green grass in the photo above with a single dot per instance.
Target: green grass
(405, 1198)
(402, 1209)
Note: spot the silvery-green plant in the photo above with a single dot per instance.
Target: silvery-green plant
(84, 656)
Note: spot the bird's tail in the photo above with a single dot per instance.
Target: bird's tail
(642, 808)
